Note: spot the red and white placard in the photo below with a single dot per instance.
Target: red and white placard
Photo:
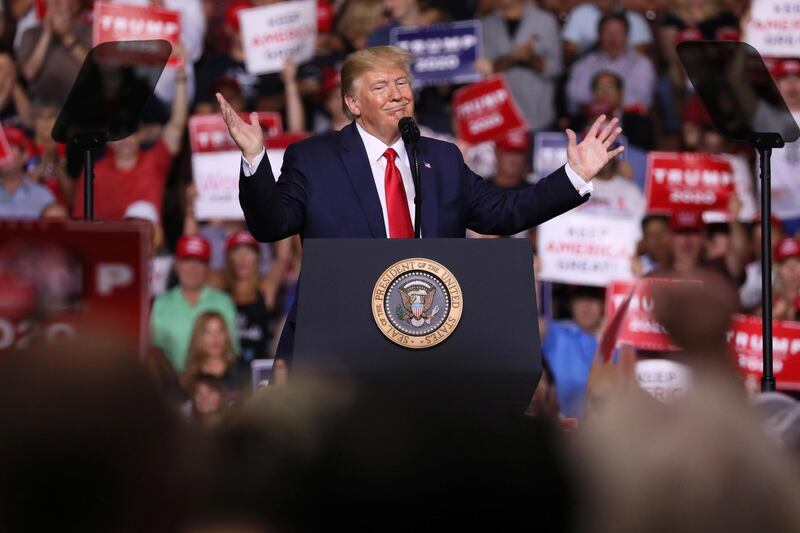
(688, 181)
(639, 327)
(119, 22)
(216, 177)
(486, 110)
(586, 249)
(745, 340)
(80, 278)
(773, 27)
(272, 34)
(208, 133)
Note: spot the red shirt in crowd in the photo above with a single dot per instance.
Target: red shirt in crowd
(116, 189)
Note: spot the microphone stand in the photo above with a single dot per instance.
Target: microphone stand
(417, 191)
(410, 134)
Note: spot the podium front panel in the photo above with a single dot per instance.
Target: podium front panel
(493, 353)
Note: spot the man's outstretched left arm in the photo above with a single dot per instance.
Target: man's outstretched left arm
(491, 210)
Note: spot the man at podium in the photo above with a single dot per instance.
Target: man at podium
(357, 182)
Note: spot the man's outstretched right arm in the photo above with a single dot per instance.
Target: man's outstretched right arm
(272, 210)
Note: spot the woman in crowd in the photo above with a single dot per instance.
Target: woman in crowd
(256, 296)
(211, 352)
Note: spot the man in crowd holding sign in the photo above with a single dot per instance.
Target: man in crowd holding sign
(357, 182)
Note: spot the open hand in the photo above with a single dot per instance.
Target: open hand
(589, 156)
(248, 136)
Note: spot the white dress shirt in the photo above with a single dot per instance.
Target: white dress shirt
(375, 149)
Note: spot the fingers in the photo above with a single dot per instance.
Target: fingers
(596, 126)
(228, 114)
(572, 139)
(608, 130)
(254, 120)
(614, 153)
(611, 139)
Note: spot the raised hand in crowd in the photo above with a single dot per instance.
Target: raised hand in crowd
(589, 156)
(295, 114)
(12, 91)
(483, 66)
(248, 136)
(172, 134)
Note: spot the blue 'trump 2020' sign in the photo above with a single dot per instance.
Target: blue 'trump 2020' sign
(444, 53)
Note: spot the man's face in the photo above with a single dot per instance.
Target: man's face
(687, 245)
(789, 86)
(380, 98)
(192, 273)
(17, 162)
(126, 148)
(207, 399)
(656, 239)
(606, 91)
(587, 312)
(789, 272)
(510, 168)
(613, 38)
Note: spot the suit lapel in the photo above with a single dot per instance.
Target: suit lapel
(356, 163)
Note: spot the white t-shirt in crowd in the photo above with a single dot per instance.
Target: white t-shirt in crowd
(617, 196)
(581, 27)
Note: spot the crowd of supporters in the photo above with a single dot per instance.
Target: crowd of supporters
(219, 297)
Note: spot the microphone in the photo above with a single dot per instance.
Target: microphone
(408, 130)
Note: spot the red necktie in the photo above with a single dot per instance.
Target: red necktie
(396, 202)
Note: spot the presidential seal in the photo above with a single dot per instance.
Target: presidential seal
(417, 303)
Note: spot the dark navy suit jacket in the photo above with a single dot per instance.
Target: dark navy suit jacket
(326, 190)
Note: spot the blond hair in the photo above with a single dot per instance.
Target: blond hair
(368, 59)
(358, 19)
(197, 356)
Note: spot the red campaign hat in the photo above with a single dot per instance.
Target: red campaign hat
(324, 16)
(513, 141)
(695, 112)
(232, 12)
(193, 247)
(781, 67)
(16, 137)
(686, 221)
(331, 79)
(775, 222)
(239, 238)
(786, 249)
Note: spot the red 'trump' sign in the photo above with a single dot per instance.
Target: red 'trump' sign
(746, 343)
(688, 181)
(486, 110)
(118, 22)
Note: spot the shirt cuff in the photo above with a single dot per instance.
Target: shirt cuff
(249, 169)
(583, 187)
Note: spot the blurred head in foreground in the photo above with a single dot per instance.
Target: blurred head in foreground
(703, 463)
(357, 458)
(86, 442)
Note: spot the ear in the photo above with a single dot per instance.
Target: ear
(352, 105)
